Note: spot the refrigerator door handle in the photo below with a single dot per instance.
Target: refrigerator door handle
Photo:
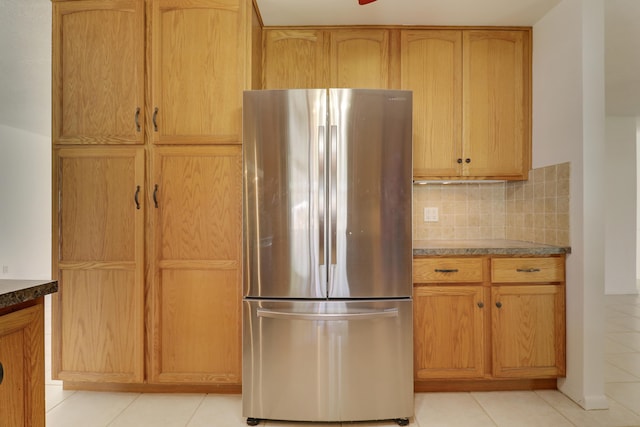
(321, 194)
(365, 315)
(333, 188)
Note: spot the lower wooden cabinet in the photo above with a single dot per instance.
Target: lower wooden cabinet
(449, 331)
(148, 258)
(22, 400)
(488, 319)
(528, 333)
(98, 313)
(195, 297)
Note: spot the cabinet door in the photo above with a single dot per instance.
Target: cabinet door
(196, 293)
(496, 112)
(528, 333)
(22, 367)
(359, 58)
(431, 64)
(295, 59)
(98, 310)
(98, 72)
(198, 59)
(448, 325)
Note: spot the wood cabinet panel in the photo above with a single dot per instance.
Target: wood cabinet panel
(431, 67)
(22, 359)
(319, 58)
(198, 70)
(496, 108)
(102, 329)
(100, 264)
(359, 58)
(295, 59)
(528, 335)
(98, 72)
(448, 270)
(199, 309)
(527, 270)
(195, 294)
(11, 387)
(449, 339)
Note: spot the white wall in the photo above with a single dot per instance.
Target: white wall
(25, 204)
(620, 202)
(568, 125)
(25, 143)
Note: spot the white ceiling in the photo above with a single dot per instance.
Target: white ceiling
(25, 42)
(404, 12)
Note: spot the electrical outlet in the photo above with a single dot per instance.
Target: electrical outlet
(5, 269)
(430, 214)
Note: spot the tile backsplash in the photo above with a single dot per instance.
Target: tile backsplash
(536, 210)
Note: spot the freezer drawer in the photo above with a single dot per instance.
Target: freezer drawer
(327, 360)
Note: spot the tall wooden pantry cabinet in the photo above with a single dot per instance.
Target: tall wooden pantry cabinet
(147, 178)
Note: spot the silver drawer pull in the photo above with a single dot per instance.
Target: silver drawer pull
(528, 270)
(446, 270)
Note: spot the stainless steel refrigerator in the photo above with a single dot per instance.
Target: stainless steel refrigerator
(327, 310)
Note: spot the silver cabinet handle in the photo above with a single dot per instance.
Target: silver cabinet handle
(367, 315)
(528, 270)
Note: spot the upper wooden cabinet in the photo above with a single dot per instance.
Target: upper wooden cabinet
(496, 104)
(198, 70)
(471, 102)
(98, 72)
(432, 68)
(294, 59)
(359, 58)
(316, 58)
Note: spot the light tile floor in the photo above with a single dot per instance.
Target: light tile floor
(486, 409)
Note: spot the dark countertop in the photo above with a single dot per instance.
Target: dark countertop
(14, 292)
(484, 247)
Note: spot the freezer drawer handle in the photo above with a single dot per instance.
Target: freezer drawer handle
(368, 315)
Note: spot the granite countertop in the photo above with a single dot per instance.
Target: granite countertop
(485, 247)
(14, 292)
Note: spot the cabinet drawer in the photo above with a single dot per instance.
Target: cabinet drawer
(521, 270)
(447, 270)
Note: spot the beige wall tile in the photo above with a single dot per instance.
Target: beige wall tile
(536, 210)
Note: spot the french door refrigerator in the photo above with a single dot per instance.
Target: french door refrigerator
(327, 309)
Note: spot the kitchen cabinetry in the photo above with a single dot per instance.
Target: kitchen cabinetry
(285, 50)
(99, 324)
(196, 297)
(487, 319)
(342, 58)
(472, 102)
(198, 70)
(146, 239)
(22, 365)
(527, 316)
(98, 72)
(449, 315)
